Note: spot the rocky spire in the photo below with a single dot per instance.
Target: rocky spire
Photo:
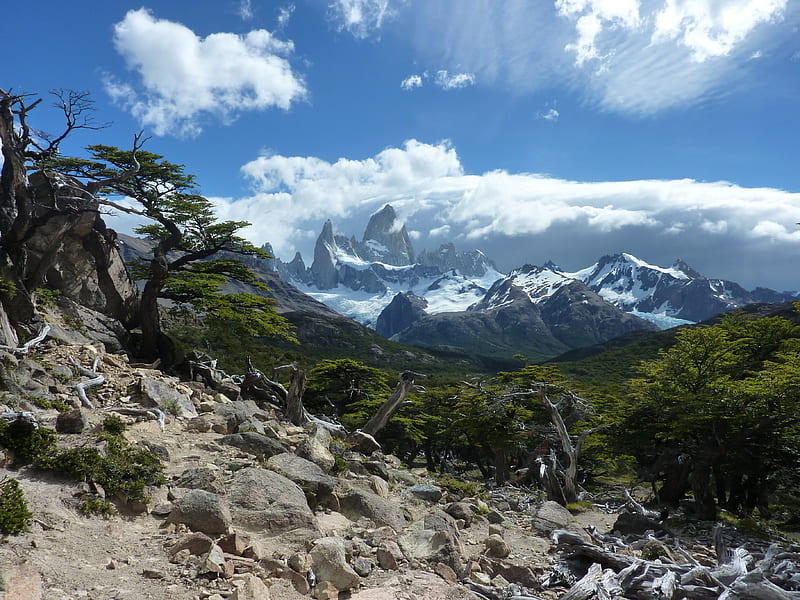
(323, 269)
(384, 241)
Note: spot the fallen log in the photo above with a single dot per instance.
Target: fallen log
(90, 383)
(26, 347)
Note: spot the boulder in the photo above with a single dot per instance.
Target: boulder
(72, 421)
(316, 448)
(250, 587)
(154, 393)
(549, 516)
(425, 491)
(359, 503)
(389, 555)
(306, 474)
(202, 511)
(496, 547)
(460, 510)
(362, 442)
(255, 443)
(201, 478)
(330, 564)
(196, 543)
(263, 500)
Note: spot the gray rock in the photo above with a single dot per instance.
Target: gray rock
(377, 467)
(432, 546)
(201, 478)
(255, 443)
(304, 473)
(330, 564)
(155, 393)
(495, 517)
(549, 516)
(363, 566)
(316, 448)
(263, 500)
(425, 491)
(460, 510)
(389, 555)
(202, 511)
(360, 503)
(70, 422)
(362, 442)
(496, 547)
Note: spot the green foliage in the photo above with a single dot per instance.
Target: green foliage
(115, 425)
(351, 388)
(7, 288)
(46, 404)
(92, 505)
(14, 514)
(465, 488)
(46, 297)
(724, 397)
(579, 507)
(123, 469)
(28, 444)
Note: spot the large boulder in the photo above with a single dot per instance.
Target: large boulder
(306, 474)
(154, 393)
(549, 516)
(359, 503)
(202, 511)
(201, 478)
(255, 443)
(316, 448)
(330, 564)
(266, 501)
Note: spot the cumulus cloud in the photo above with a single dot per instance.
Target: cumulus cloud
(550, 114)
(361, 18)
(411, 82)
(185, 78)
(441, 78)
(627, 56)
(519, 215)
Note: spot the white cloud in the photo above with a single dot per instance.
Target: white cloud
(185, 78)
(442, 79)
(245, 10)
(284, 14)
(360, 17)
(454, 81)
(427, 185)
(551, 114)
(630, 56)
(411, 82)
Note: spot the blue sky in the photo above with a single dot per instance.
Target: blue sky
(531, 129)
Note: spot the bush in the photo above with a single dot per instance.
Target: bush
(27, 443)
(14, 514)
(115, 425)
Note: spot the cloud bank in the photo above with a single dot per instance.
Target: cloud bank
(719, 227)
(184, 78)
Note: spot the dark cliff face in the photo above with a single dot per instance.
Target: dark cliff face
(402, 312)
(384, 241)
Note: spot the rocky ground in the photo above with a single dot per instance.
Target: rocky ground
(254, 507)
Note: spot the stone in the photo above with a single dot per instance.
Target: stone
(202, 511)
(496, 547)
(255, 443)
(214, 562)
(425, 491)
(359, 503)
(196, 543)
(234, 543)
(330, 564)
(389, 555)
(635, 524)
(379, 486)
(154, 393)
(308, 475)
(495, 517)
(549, 516)
(377, 467)
(460, 510)
(201, 478)
(325, 591)
(363, 566)
(496, 529)
(446, 573)
(72, 421)
(264, 500)
(362, 442)
(316, 448)
(300, 562)
(429, 545)
(250, 587)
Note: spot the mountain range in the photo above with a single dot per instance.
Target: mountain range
(459, 299)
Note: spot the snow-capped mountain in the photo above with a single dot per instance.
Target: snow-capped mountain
(533, 311)
(678, 291)
(360, 278)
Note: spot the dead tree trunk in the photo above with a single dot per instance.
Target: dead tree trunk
(388, 409)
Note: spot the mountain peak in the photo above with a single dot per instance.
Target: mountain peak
(387, 241)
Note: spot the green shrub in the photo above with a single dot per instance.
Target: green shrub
(461, 487)
(28, 444)
(14, 514)
(92, 505)
(115, 425)
(46, 297)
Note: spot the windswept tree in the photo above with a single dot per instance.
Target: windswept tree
(194, 254)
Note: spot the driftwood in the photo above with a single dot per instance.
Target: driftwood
(26, 347)
(387, 410)
(737, 575)
(25, 415)
(156, 413)
(94, 380)
(260, 388)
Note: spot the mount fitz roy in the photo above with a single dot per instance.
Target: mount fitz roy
(451, 298)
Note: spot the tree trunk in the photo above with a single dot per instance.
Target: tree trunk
(149, 318)
(393, 404)
(295, 411)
